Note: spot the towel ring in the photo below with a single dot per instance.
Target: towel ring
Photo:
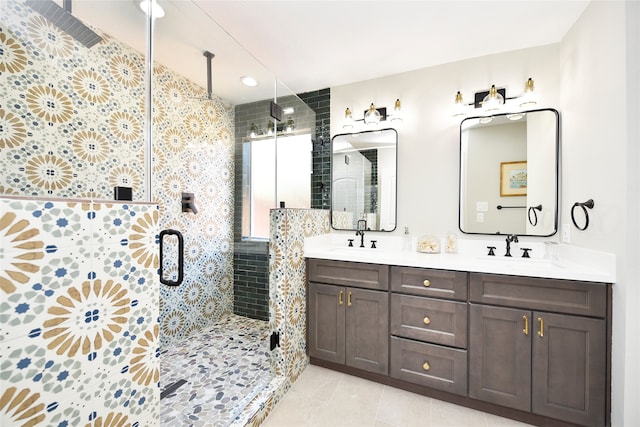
(533, 210)
(588, 204)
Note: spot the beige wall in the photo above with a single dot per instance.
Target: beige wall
(428, 138)
(597, 60)
(598, 163)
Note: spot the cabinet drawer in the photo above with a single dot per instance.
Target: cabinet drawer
(427, 319)
(356, 274)
(429, 283)
(560, 296)
(429, 365)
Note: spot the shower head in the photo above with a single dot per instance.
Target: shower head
(62, 18)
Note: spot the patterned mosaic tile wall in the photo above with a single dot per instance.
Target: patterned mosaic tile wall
(288, 306)
(193, 152)
(71, 123)
(78, 313)
(72, 117)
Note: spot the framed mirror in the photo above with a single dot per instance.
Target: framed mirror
(363, 180)
(509, 173)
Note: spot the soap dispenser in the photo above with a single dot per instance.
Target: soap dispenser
(406, 240)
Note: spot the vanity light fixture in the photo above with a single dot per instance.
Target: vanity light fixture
(459, 110)
(373, 115)
(397, 112)
(529, 97)
(493, 100)
(348, 120)
(272, 129)
(290, 126)
(253, 131)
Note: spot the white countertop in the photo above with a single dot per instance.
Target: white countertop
(573, 263)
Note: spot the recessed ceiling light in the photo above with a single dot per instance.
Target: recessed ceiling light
(157, 10)
(288, 110)
(248, 81)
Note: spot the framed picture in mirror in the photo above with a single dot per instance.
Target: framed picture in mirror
(513, 178)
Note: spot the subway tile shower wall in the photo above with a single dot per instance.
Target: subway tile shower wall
(320, 101)
(250, 285)
(251, 258)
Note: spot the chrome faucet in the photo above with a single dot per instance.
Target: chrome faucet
(510, 238)
(360, 229)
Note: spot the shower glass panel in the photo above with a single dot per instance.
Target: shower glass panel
(276, 159)
(72, 107)
(195, 97)
(75, 124)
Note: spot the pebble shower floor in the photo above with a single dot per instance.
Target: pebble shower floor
(224, 367)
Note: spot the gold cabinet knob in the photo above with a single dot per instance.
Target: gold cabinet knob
(426, 283)
(426, 366)
(426, 320)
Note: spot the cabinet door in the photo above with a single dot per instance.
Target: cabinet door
(326, 322)
(569, 368)
(500, 356)
(367, 334)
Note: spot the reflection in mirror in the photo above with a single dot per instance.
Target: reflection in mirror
(509, 173)
(363, 180)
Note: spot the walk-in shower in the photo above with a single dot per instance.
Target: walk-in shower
(75, 126)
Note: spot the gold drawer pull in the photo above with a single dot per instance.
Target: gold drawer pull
(426, 320)
(426, 366)
(349, 299)
(426, 283)
(526, 324)
(340, 300)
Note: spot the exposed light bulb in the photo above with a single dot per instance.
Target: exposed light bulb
(529, 98)
(459, 107)
(372, 116)
(397, 112)
(348, 120)
(493, 101)
(253, 130)
(290, 125)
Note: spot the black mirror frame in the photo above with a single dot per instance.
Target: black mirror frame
(556, 170)
(332, 186)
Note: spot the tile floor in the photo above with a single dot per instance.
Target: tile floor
(224, 366)
(322, 397)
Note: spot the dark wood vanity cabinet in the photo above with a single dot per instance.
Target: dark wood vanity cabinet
(533, 349)
(347, 324)
(524, 357)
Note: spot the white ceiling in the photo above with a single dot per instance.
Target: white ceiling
(314, 44)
